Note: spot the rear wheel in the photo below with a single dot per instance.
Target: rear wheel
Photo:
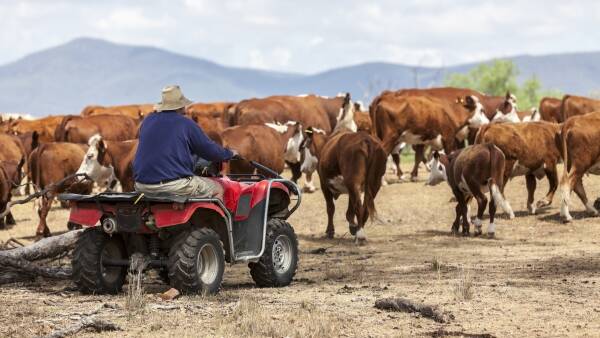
(89, 274)
(197, 262)
(277, 266)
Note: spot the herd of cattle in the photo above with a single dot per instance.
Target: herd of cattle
(347, 146)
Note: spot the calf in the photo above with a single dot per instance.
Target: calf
(108, 161)
(580, 145)
(471, 172)
(49, 163)
(349, 163)
(530, 149)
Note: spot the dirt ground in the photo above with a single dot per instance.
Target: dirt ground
(538, 277)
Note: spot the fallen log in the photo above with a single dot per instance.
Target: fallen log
(99, 325)
(406, 305)
(18, 265)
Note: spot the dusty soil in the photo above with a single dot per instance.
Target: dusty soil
(538, 277)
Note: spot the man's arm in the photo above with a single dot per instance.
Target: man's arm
(205, 147)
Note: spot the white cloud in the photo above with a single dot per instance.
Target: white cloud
(130, 18)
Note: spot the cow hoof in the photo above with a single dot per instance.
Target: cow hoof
(542, 204)
(511, 216)
(352, 228)
(478, 232)
(491, 234)
(531, 209)
(309, 190)
(329, 235)
(566, 219)
(360, 241)
(73, 226)
(414, 179)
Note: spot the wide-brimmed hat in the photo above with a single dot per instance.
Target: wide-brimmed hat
(172, 99)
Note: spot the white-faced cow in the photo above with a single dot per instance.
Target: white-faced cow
(349, 162)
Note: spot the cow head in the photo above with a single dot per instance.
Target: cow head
(309, 149)
(96, 163)
(292, 132)
(345, 119)
(507, 112)
(478, 118)
(438, 165)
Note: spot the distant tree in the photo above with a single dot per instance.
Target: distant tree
(498, 77)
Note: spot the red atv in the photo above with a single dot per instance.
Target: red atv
(188, 240)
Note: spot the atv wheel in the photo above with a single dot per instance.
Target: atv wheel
(89, 274)
(197, 263)
(277, 266)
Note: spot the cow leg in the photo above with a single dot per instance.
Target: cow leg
(396, 160)
(309, 186)
(552, 176)
(465, 214)
(580, 191)
(329, 202)
(567, 185)
(531, 183)
(482, 201)
(353, 205)
(419, 157)
(10, 219)
(456, 223)
(491, 231)
(45, 205)
(296, 173)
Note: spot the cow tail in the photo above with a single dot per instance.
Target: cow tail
(60, 134)
(376, 162)
(563, 108)
(497, 179)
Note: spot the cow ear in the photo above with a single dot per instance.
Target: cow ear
(507, 95)
(436, 155)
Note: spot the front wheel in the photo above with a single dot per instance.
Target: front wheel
(277, 266)
(197, 262)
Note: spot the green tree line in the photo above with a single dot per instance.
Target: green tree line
(500, 76)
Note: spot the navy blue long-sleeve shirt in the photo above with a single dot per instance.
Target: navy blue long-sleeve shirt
(169, 143)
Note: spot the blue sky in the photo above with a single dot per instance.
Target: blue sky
(309, 36)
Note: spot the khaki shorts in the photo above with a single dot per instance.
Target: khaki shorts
(194, 186)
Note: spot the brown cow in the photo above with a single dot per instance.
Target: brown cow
(580, 145)
(12, 159)
(471, 172)
(77, 129)
(362, 119)
(45, 127)
(550, 109)
(268, 145)
(572, 105)
(106, 160)
(49, 163)
(451, 96)
(420, 120)
(308, 110)
(530, 149)
(349, 162)
(135, 111)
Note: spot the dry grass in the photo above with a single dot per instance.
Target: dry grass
(252, 319)
(463, 289)
(135, 301)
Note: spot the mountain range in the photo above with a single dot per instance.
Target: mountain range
(84, 71)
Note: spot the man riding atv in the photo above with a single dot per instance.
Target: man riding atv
(169, 145)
